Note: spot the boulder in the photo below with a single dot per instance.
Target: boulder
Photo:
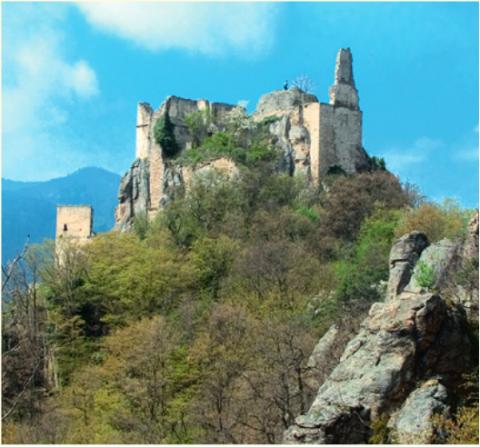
(321, 358)
(403, 257)
(414, 422)
(443, 258)
(278, 101)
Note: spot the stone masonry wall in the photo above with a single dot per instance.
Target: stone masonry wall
(74, 222)
(340, 138)
(143, 134)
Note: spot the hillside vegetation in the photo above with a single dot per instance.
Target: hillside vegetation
(197, 327)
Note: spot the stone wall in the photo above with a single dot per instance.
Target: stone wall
(340, 139)
(311, 116)
(143, 134)
(75, 222)
(74, 226)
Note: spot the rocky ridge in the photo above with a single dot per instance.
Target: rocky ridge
(408, 354)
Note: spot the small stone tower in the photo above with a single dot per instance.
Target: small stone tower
(74, 226)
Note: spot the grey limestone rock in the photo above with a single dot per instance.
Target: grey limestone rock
(381, 365)
(133, 195)
(444, 258)
(403, 257)
(413, 423)
(283, 100)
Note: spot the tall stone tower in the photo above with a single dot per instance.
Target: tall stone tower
(336, 128)
(343, 92)
(74, 226)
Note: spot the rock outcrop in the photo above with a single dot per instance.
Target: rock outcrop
(414, 422)
(313, 137)
(409, 351)
(403, 257)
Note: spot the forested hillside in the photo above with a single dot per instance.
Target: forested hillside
(197, 327)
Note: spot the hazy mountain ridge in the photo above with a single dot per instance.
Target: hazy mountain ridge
(29, 207)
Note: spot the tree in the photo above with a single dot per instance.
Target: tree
(27, 367)
(164, 136)
(304, 83)
(446, 220)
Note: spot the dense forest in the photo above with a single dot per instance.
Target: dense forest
(197, 326)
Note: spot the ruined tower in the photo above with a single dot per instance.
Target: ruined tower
(74, 226)
(343, 92)
(336, 128)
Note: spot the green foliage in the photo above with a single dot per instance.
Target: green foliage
(197, 124)
(361, 274)
(197, 327)
(336, 170)
(424, 275)
(164, 136)
(141, 225)
(437, 221)
(269, 120)
(243, 140)
(377, 164)
(212, 260)
(380, 432)
(308, 212)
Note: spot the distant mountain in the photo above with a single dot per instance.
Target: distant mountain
(29, 208)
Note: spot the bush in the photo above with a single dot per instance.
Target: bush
(447, 220)
(425, 275)
(197, 124)
(164, 136)
(361, 274)
(377, 164)
(351, 199)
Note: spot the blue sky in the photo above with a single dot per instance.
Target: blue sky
(73, 73)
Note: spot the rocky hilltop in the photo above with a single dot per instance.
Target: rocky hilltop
(312, 137)
(403, 365)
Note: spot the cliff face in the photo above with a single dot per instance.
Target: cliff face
(408, 355)
(312, 137)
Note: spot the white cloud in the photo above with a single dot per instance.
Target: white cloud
(208, 28)
(398, 158)
(41, 83)
(467, 154)
(82, 79)
(467, 149)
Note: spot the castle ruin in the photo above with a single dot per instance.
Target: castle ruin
(313, 138)
(74, 226)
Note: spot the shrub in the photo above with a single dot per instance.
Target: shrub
(351, 199)
(447, 220)
(197, 124)
(336, 170)
(377, 164)
(425, 275)
(164, 136)
(360, 275)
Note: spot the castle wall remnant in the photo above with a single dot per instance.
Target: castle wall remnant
(144, 118)
(74, 226)
(74, 222)
(312, 136)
